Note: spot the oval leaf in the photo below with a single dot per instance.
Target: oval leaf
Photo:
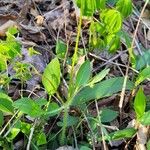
(125, 7)
(145, 119)
(121, 134)
(99, 76)
(83, 74)
(100, 90)
(140, 103)
(112, 20)
(51, 76)
(29, 107)
(143, 75)
(6, 103)
(108, 115)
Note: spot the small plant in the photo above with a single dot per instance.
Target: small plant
(68, 111)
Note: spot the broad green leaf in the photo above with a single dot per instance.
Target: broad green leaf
(61, 49)
(88, 7)
(1, 118)
(83, 74)
(145, 119)
(98, 77)
(108, 115)
(41, 139)
(5, 96)
(100, 90)
(5, 103)
(112, 20)
(12, 30)
(112, 42)
(140, 103)
(29, 107)
(14, 132)
(121, 134)
(41, 102)
(100, 4)
(51, 76)
(25, 128)
(125, 7)
(71, 120)
(112, 2)
(143, 60)
(143, 75)
(52, 110)
(85, 148)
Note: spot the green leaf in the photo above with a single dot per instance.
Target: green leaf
(12, 30)
(89, 7)
(14, 132)
(100, 90)
(26, 128)
(145, 119)
(85, 148)
(52, 110)
(32, 51)
(125, 7)
(6, 103)
(61, 49)
(41, 102)
(112, 42)
(51, 76)
(1, 118)
(143, 60)
(108, 115)
(140, 103)
(99, 77)
(112, 20)
(112, 2)
(71, 120)
(83, 75)
(3, 62)
(100, 4)
(125, 133)
(41, 139)
(29, 107)
(143, 75)
(148, 145)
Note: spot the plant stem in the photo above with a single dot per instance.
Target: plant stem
(70, 91)
(30, 136)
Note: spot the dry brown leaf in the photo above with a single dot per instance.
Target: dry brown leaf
(148, 35)
(39, 20)
(5, 26)
(34, 12)
(141, 137)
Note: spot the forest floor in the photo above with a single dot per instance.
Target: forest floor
(46, 28)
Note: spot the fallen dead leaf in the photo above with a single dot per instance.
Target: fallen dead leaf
(32, 33)
(39, 20)
(142, 135)
(148, 35)
(5, 26)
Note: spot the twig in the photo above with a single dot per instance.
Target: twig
(127, 69)
(31, 135)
